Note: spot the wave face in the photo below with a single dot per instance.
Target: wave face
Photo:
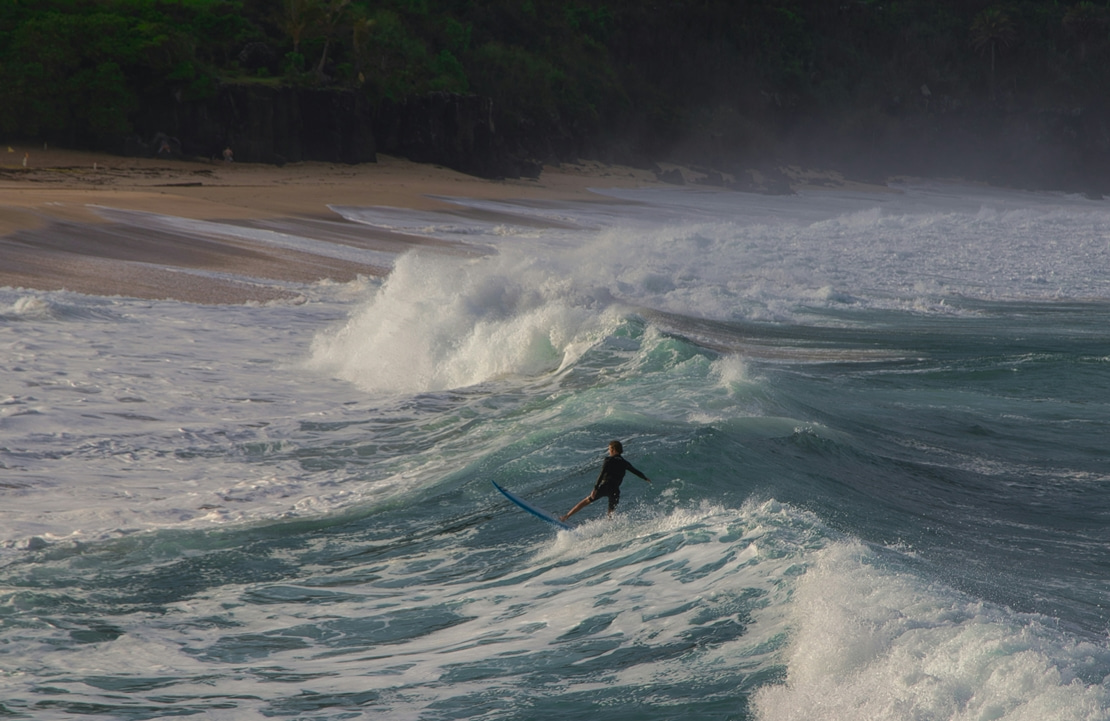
(875, 425)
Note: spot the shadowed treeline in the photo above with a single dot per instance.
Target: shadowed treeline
(989, 89)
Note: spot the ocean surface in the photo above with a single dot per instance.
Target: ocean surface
(877, 426)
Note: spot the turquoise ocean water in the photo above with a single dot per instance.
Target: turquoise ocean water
(876, 422)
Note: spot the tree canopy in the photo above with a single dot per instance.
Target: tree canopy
(79, 70)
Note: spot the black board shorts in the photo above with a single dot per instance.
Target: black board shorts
(610, 491)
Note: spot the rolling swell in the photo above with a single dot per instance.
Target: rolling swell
(872, 497)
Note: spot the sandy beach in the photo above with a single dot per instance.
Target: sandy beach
(60, 217)
(55, 232)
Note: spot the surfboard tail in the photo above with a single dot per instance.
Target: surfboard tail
(532, 508)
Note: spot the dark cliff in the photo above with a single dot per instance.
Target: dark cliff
(263, 124)
(1057, 148)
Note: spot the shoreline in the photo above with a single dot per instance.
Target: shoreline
(222, 191)
(54, 235)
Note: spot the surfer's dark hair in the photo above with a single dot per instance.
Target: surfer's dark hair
(617, 445)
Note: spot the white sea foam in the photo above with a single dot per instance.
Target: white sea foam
(693, 597)
(437, 324)
(734, 256)
(866, 641)
(28, 307)
(708, 583)
(871, 643)
(731, 371)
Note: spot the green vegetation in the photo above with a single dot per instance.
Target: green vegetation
(78, 71)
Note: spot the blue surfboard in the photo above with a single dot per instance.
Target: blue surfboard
(534, 510)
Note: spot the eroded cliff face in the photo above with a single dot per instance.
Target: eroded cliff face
(278, 125)
(264, 125)
(1044, 148)
(456, 131)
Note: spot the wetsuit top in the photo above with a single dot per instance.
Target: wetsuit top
(612, 473)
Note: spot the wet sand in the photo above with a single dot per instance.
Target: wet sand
(57, 230)
(55, 233)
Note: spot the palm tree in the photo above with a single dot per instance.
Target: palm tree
(992, 29)
(361, 28)
(298, 18)
(334, 12)
(1086, 22)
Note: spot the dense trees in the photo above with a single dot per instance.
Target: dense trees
(991, 31)
(79, 70)
(76, 70)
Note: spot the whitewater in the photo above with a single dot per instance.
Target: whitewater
(876, 424)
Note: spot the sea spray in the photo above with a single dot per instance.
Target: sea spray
(438, 323)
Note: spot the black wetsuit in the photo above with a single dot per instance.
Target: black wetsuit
(609, 481)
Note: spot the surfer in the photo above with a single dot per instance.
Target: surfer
(609, 480)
